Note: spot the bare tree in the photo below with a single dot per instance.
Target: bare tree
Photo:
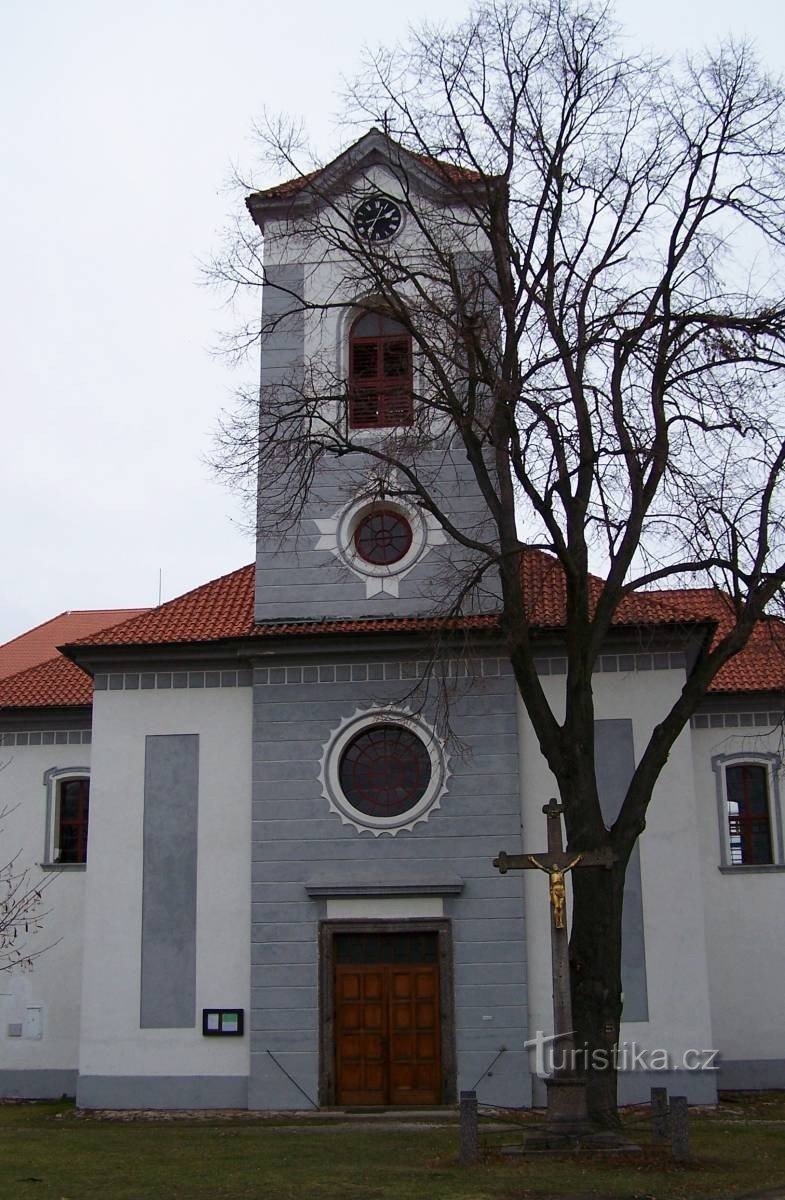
(21, 911)
(598, 316)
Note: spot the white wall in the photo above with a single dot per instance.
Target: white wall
(112, 1042)
(54, 983)
(333, 278)
(677, 974)
(744, 918)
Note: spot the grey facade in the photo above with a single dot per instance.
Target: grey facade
(302, 853)
(297, 576)
(171, 813)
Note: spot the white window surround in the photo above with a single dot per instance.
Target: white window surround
(336, 534)
(773, 765)
(52, 780)
(438, 423)
(331, 758)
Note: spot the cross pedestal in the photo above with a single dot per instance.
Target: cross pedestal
(566, 1120)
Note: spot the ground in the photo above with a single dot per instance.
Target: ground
(50, 1151)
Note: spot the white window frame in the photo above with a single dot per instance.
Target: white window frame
(336, 534)
(773, 765)
(53, 778)
(331, 759)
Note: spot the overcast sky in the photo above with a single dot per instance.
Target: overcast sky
(120, 125)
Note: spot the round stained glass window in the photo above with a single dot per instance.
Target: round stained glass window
(385, 771)
(383, 537)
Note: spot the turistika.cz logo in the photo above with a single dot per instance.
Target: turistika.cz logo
(626, 1056)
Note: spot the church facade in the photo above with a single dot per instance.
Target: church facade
(270, 856)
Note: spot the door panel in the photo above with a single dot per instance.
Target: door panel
(360, 1029)
(415, 1069)
(387, 1029)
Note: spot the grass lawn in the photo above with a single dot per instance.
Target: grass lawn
(50, 1152)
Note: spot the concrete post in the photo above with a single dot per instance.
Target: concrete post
(469, 1145)
(659, 1114)
(679, 1129)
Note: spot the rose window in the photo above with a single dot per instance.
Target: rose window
(385, 771)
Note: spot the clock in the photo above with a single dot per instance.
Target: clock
(377, 219)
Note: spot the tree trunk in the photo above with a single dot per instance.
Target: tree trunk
(595, 977)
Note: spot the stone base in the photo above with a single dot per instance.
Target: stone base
(546, 1141)
(567, 1125)
(566, 1111)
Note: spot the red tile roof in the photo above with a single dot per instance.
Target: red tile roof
(39, 644)
(289, 187)
(223, 610)
(451, 172)
(57, 683)
(545, 597)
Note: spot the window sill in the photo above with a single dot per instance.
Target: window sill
(752, 868)
(55, 866)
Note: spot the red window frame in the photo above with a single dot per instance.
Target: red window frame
(380, 374)
(383, 537)
(73, 807)
(749, 814)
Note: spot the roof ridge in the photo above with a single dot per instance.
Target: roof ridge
(137, 609)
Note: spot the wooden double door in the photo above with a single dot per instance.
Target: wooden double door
(387, 1019)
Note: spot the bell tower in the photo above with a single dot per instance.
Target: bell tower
(367, 504)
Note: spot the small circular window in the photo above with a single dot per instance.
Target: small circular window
(385, 771)
(383, 537)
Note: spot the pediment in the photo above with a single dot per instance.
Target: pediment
(439, 181)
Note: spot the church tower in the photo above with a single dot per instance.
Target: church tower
(387, 956)
(354, 399)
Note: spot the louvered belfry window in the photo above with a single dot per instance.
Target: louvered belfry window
(380, 373)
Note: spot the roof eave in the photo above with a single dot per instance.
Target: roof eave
(14, 714)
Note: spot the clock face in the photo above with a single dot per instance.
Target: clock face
(377, 219)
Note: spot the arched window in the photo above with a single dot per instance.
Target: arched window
(380, 373)
(68, 808)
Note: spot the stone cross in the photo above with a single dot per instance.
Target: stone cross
(556, 863)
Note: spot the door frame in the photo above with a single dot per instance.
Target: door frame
(442, 927)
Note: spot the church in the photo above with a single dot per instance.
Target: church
(269, 869)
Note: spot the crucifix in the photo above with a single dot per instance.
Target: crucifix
(566, 1096)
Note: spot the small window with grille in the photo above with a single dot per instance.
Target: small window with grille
(380, 373)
